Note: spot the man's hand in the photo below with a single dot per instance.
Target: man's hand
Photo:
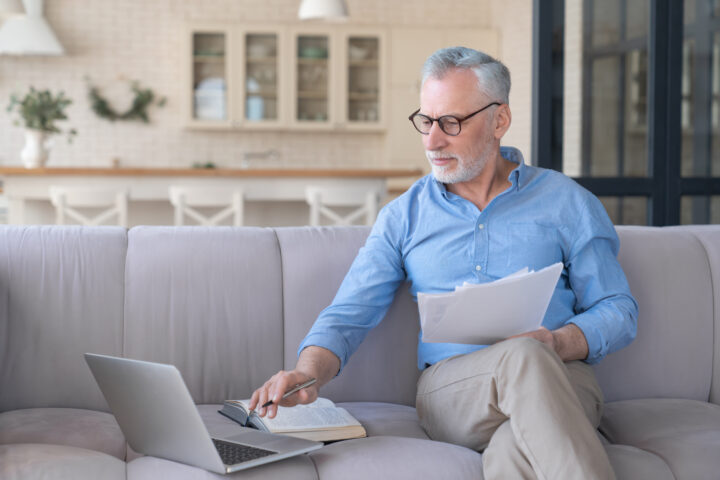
(314, 362)
(568, 341)
(276, 387)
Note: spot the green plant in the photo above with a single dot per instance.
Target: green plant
(40, 109)
(143, 98)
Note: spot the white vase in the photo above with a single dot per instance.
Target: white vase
(35, 153)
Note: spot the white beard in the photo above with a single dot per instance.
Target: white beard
(461, 171)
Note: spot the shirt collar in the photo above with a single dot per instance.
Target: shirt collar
(518, 176)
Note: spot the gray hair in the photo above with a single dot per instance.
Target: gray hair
(493, 77)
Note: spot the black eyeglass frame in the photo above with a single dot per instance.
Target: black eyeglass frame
(441, 122)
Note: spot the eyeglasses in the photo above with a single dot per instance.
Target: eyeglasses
(449, 124)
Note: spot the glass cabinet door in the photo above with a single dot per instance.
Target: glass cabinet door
(363, 79)
(261, 77)
(313, 72)
(210, 76)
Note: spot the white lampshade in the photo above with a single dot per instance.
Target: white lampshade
(323, 9)
(29, 34)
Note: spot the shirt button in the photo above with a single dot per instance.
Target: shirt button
(478, 267)
(481, 226)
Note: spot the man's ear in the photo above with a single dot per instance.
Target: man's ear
(503, 119)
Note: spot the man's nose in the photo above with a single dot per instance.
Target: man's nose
(436, 139)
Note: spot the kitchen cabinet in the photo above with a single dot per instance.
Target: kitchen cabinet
(209, 98)
(287, 77)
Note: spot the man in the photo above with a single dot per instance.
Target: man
(530, 403)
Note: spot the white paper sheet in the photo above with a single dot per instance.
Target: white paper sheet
(489, 312)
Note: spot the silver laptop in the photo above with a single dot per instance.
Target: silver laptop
(156, 413)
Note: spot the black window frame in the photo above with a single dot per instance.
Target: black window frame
(664, 186)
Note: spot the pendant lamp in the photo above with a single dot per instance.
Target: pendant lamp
(323, 10)
(29, 34)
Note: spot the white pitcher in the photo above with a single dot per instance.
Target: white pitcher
(35, 153)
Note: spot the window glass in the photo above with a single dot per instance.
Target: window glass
(626, 210)
(696, 209)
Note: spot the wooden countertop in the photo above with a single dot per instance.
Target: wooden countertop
(213, 172)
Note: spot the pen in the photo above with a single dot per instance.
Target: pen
(295, 389)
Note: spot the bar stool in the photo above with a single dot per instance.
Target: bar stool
(67, 201)
(324, 201)
(186, 199)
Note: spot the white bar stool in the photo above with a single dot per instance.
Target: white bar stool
(324, 201)
(186, 199)
(68, 199)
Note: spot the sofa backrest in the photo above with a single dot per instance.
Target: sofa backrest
(709, 237)
(209, 301)
(229, 306)
(669, 274)
(314, 263)
(61, 295)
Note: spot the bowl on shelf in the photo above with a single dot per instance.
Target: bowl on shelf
(259, 50)
(358, 53)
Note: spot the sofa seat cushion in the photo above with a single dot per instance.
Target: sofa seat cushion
(684, 433)
(388, 457)
(57, 462)
(153, 468)
(386, 419)
(631, 463)
(64, 426)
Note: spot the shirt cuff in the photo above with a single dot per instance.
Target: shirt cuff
(335, 343)
(597, 344)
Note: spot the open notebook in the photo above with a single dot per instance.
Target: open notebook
(321, 420)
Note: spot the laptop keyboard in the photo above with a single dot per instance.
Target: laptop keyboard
(234, 453)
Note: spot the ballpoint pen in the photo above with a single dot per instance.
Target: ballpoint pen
(295, 389)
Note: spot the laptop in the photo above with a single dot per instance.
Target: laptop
(158, 417)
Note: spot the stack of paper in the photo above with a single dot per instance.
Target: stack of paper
(489, 312)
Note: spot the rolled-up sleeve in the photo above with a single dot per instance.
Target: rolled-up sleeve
(606, 311)
(365, 294)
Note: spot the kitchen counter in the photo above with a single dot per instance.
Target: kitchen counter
(274, 196)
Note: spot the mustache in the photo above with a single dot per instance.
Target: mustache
(433, 154)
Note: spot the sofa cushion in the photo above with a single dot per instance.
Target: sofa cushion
(61, 295)
(631, 463)
(672, 356)
(57, 462)
(386, 419)
(684, 433)
(64, 426)
(209, 301)
(153, 468)
(396, 458)
(709, 237)
(315, 261)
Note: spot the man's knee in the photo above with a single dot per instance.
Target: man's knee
(526, 348)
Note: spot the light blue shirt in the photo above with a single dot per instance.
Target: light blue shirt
(436, 240)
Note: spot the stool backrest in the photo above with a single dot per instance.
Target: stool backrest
(186, 200)
(67, 201)
(324, 201)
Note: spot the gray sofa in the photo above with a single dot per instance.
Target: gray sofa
(228, 307)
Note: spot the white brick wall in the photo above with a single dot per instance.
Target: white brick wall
(514, 21)
(141, 40)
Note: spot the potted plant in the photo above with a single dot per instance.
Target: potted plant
(39, 110)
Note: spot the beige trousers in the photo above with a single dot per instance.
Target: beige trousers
(532, 415)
